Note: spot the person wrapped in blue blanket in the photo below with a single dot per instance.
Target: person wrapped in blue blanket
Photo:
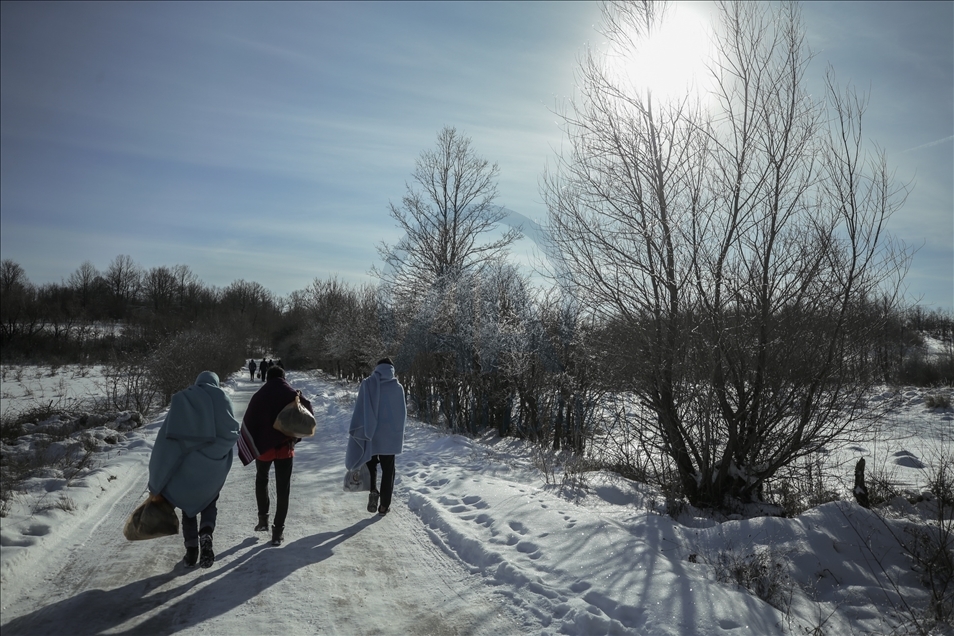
(191, 459)
(376, 433)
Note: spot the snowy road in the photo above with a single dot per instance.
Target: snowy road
(478, 541)
(340, 571)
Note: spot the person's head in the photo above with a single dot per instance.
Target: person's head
(385, 360)
(274, 372)
(208, 377)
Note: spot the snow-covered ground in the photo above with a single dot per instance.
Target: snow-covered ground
(477, 542)
(29, 386)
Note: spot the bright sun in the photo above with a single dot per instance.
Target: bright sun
(671, 61)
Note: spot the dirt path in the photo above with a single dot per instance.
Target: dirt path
(340, 571)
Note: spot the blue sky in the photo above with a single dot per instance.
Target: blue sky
(264, 141)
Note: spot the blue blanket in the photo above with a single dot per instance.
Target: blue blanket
(377, 424)
(194, 447)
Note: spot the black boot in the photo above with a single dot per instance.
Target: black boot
(262, 524)
(373, 500)
(191, 557)
(206, 556)
(278, 535)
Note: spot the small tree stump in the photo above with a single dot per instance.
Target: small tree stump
(861, 491)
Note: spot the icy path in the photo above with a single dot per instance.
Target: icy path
(340, 571)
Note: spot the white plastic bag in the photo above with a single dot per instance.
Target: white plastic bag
(358, 480)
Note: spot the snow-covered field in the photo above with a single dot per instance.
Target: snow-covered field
(24, 387)
(477, 543)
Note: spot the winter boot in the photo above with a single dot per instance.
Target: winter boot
(191, 557)
(383, 511)
(262, 524)
(278, 535)
(373, 500)
(206, 556)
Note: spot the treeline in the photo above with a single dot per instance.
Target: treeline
(476, 350)
(156, 329)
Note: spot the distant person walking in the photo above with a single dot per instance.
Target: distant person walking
(262, 368)
(251, 369)
(266, 446)
(191, 458)
(376, 433)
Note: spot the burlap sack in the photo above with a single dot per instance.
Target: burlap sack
(295, 420)
(151, 520)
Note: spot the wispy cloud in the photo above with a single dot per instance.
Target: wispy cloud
(937, 142)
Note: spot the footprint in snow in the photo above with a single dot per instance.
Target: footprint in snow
(36, 530)
(530, 549)
(484, 520)
(10, 542)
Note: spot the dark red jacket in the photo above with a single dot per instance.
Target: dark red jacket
(260, 415)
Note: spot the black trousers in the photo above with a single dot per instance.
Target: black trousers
(283, 471)
(190, 525)
(387, 477)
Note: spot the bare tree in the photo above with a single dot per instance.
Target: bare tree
(186, 284)
(123, 277)
(736, 244)
(159, 286)
(445, 218)
(83, 282)
(12, 276)
(19, 311)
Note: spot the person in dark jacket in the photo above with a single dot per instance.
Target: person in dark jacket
(251, 369)
(262, 368)
(260, 442)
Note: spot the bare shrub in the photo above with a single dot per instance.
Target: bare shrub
(937, 401)
(802, 485)
(883, 483)
(544, 460)
(179, 360)
(931, 546)
(129, 385)
(575, 469)
(622, 448)
(65, 504)
(762, 572)
(571, 466)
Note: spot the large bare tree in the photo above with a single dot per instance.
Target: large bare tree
(739, 242)
(446, 218)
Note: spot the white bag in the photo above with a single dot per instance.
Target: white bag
(358, 480)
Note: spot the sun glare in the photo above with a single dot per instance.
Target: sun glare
(671, 61)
